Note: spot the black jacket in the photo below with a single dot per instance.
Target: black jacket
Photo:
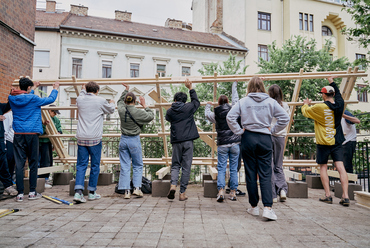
(338, 108)
(4, 107)
(224, 134)
(181, 117)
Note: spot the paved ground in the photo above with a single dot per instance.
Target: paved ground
(198, 222)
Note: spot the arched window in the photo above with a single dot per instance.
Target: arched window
(326, 31)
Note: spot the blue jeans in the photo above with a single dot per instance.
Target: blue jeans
(223, 154)
(130, 148)
(83, 154)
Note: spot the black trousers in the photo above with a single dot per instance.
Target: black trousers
(10, 157)
(5, 177)
(257, 156)
(26, 146)
(46, 157)
(349, 149)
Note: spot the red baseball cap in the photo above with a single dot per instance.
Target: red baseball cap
(327, 90)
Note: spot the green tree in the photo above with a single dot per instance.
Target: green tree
(297, 53)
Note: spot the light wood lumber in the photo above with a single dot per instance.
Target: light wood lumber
(213, 172)
(163, 171)
(293, 174)
(362, 198)
(335, 174)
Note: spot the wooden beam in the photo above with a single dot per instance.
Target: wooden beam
(163, 171)
(213, 171)
(293, 174)
(52, 169)
(362, 198)
(74, 80)
(335, 174)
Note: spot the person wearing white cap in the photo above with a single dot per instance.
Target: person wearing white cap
(329, 136)
(46, 148)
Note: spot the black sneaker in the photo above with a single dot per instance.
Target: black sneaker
(327, 199)
(240, 193)
(220, 198)
(344, 202)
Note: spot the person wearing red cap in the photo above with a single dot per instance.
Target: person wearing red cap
(329, 136)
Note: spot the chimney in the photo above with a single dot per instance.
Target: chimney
(79, 10)
(217, 25)
(172, 23)
(123, 16)
(51, 6)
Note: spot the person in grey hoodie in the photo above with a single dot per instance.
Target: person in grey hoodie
(256, 111)
(132, 120)
(91, 111)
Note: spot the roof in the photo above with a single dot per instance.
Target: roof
(133, 29)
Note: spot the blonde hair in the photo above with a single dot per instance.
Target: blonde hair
(256, 85)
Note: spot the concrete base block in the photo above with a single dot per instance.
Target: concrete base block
(210, 188)
(62, 178)
(297, 189)
(105, 179)
(351, 188)
(167, 177)
(72, 184)
(40, 187)
(206, 176)
(314, 182)
(160, 188)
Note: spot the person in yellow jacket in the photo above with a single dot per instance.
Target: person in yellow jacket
(329, 136)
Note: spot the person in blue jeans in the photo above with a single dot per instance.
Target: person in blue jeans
(132, 121)
(91, 111)
(227, 144)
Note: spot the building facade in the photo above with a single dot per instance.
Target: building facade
(259, 23)
(17, 29)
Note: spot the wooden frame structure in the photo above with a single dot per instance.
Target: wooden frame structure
(348, 81)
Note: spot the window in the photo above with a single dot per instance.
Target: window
(107, 69)
(43, 90)
(263, 52)
(311, 23)
(134, 70)
(185, 71)
(41, 58)
(264, 21)
(326, 31)
(306, 22)
(360, 57)
(161, 70)
(361, 94)
(300, 21)
(77, 67)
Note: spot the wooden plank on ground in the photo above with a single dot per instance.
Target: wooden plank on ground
(163, 171)
(335, 174)
(293, 174)
(52, 169)
(362, 198)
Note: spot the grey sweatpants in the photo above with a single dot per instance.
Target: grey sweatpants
(182, 157)
(278, 177)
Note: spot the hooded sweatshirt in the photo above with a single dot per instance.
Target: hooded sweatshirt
(256, 111)
(181, 117)
(27, 111)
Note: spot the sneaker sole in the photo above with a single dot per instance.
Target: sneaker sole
(171, 194)
(328, 202)
(268, 218)
(221, 199)
(78, 201)
(232, 199)
(282, 199)
(344, 204)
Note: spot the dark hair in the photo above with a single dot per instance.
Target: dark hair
(92, 87)
(24, 83)
(329, 94)
(130, 98)
(223, 99)
(276, 93)
(180, 97)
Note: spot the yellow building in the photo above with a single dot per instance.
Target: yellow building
(258, 23)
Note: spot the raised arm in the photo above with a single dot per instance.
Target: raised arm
(234, 94)
(350, 118)
(121, 100)
(145, 116)
(209, 114)
(232, 119)
(338, 96)
(193, 95)
(51, 98)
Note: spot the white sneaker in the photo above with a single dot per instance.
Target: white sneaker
(274, 200)
(254, 211)
(282, 195)
(138, 192)
(94, 196)
(269, 214)
(48, 186)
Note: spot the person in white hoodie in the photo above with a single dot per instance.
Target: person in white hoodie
(91, 111)
(279, 185)
(256, 111)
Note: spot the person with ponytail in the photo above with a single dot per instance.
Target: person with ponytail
(132, 121)
(227, 144)
(279, 185)
(256, 111)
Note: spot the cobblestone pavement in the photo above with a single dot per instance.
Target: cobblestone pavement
(199, 222)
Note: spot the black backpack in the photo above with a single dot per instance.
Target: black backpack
(146, 187)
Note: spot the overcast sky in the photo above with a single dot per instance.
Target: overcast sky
(145, 11)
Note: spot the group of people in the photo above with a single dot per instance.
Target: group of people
(252, 128)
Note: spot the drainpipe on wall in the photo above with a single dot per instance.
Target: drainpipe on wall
(282, 22)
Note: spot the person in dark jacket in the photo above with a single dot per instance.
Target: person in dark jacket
(183, 132)
(5, 176)
(227, 144)
(27, 127)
